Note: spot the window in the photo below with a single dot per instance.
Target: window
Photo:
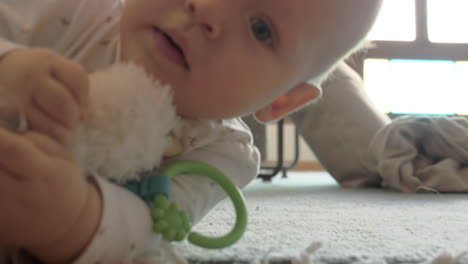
(403, 86)
(388, 28)
(420, 62)
(447, 21)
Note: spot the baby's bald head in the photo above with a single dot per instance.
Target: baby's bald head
(320, 33)
(335, 28)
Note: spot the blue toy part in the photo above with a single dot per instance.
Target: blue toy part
(150, 185)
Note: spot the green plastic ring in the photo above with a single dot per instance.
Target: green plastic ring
(234, 193)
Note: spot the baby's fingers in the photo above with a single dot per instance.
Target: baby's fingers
(43, 123)
(19, 156)
(56, 102)
(46, 145)
(74, 78)
(9, 188)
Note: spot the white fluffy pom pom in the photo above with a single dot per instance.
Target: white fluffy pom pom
(125, 131)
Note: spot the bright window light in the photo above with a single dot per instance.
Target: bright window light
(447, 21)
(417, 86)
(376, 84)
(396, 21)
(461, 87)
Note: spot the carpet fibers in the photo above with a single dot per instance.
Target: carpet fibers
(308, 218)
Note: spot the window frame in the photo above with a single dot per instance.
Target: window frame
(419, 49)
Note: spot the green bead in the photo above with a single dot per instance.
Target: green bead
(187, 226)
(157, 213)
(180, 235)
(161, 226)
(174, 219)
(173, 207)
(170, 234)
(160, 201)
(185, 217)
(171, 221)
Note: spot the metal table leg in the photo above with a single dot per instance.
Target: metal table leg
(280, 165)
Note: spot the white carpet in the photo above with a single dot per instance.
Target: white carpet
(354, 226)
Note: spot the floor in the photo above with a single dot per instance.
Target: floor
(288, 217)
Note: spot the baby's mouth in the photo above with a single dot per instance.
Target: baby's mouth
(171, 49)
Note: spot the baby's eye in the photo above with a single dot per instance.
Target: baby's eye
(262, 31)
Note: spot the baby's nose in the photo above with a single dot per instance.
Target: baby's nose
(211, 15)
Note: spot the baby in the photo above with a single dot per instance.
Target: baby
(224, 59)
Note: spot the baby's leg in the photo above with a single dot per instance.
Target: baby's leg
(340, 127)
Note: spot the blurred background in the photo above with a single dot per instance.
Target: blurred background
(422, 54)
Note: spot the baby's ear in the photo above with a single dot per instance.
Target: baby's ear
(294, 99)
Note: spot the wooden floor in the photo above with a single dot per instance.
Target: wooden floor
(302, 165)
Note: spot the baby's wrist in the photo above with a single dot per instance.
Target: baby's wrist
(78, 237)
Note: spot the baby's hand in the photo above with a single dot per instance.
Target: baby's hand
(47, 206)
(51, 91)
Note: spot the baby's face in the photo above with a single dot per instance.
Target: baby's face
(226, 58)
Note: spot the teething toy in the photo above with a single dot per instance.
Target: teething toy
(174, 224)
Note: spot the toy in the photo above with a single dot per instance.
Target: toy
(125, 135)
(128, 119)
(174, 224)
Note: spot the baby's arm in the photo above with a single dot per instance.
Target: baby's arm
(44, 197)
(56, 214)
(119, 233)
(125, 227)
(234, 154)
(125, 230)
(18, 23)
